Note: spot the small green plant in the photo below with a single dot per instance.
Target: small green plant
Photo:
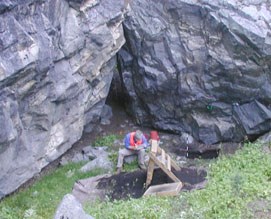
(106, 140)
(237, 181)
(146, 207)
(129, 167)
(113, 157)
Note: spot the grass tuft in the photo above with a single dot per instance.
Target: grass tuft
(42, 198)
(106, 140)
(146, 207)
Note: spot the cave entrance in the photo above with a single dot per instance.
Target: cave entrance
(116, 94)
(118, 100)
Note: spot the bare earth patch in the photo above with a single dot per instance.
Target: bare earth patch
(132, 184)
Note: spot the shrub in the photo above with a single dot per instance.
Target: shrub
(106, 140)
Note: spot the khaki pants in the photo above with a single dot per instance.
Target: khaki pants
(126, 152)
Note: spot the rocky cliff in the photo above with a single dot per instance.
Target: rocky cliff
(199, 66)
(57, 59)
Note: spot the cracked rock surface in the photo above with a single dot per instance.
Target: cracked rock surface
(201, 67)
(57, 60)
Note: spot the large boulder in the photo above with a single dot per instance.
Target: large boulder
(70, 208)
(200, 67)
(57, 60)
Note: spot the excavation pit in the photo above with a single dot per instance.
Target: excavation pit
(132, 184)
(167, 189)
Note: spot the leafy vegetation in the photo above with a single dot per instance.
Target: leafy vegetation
(146, 207)
(127, 167)
(106, 140)
(41, 199)
(234, 183)
(131, 166)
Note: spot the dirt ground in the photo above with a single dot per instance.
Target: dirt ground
(132, 184)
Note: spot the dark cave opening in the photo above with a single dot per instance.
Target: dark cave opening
(116, 92)
(118, 98)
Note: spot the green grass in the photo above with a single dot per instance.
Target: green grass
(106, 140)
(42, 198)
(234, 182)
(127, 167)
(147, 208)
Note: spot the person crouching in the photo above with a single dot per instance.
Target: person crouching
(135, 143)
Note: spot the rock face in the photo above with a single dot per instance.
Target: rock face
(57, 59)
(70, 208)
(200, 67)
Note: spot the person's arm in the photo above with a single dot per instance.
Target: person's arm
(127, 141)
(144, 144)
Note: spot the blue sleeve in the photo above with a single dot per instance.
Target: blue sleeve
(127, 141)
(145, 142)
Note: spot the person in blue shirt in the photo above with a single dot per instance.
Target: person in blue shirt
(135, 143)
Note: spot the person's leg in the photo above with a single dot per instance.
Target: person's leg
(141, 157)
(122, 153)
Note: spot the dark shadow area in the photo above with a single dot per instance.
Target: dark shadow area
(116, 94)
(209, 154)
(125, 185)
(198, 151)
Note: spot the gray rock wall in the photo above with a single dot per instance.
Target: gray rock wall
(56, 64)
(202, 67)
